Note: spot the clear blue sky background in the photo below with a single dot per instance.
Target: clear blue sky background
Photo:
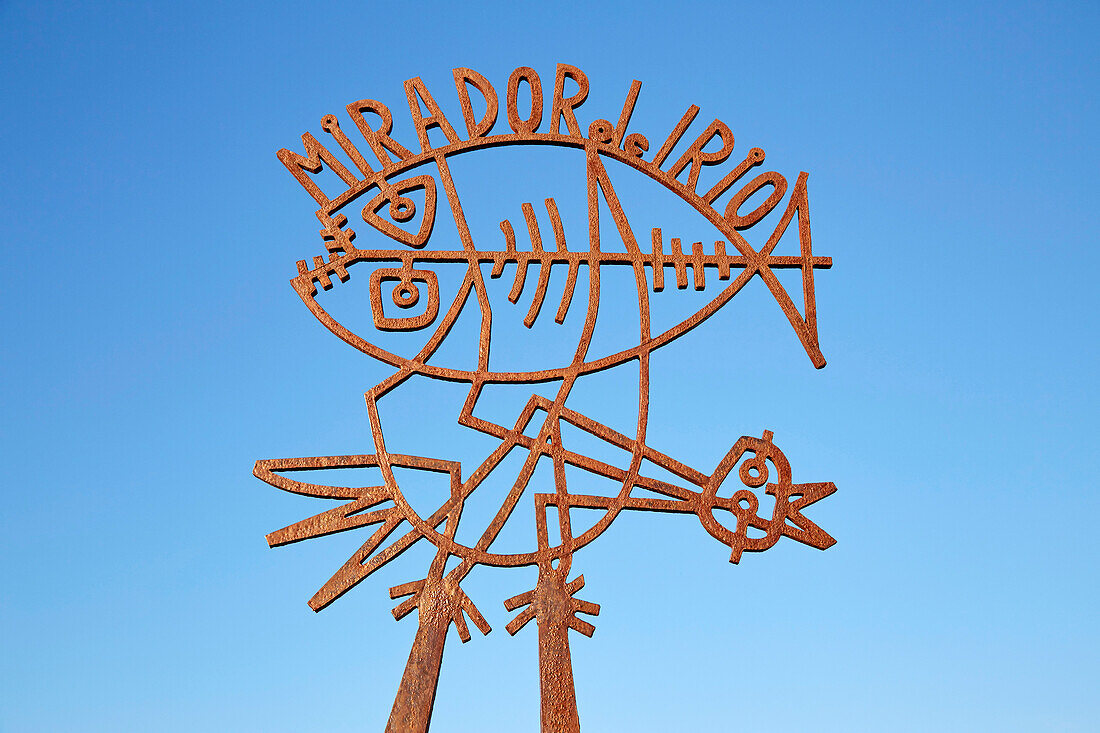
(153, 351)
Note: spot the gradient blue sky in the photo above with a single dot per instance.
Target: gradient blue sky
(153, 350)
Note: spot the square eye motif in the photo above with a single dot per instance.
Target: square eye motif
(406, 294)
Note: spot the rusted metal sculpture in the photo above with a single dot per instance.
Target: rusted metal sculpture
(384, 192)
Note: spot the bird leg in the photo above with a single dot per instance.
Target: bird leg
(552, 604)
(439, 602)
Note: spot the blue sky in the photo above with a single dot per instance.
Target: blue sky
(154, 351)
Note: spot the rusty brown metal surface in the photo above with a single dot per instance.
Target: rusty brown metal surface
(725, 500)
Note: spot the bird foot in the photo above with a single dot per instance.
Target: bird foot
(552, 601)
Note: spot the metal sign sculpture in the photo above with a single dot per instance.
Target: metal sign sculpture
(385, 192)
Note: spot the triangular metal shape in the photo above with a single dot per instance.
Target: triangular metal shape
(403, 209)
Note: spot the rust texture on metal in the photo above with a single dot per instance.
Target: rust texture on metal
(385, 191)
